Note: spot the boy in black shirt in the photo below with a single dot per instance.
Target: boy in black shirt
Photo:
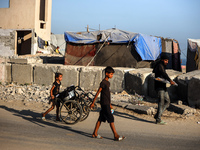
(54, 100)
(105, 101)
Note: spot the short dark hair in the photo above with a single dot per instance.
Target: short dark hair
(109, 70)
(164, 56)
(57, 74)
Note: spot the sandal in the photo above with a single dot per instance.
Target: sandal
(120, 138)
(98, 136)
(43, 118)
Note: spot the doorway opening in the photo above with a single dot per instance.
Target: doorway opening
(24, 42)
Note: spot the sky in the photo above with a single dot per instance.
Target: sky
(176, 19)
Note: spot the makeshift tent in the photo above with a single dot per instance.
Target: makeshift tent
(111, 47)
(193, 51)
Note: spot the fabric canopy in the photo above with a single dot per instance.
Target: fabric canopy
(148, 47)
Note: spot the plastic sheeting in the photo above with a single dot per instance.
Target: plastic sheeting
(110, 35)
(193, 57)
(148, 47)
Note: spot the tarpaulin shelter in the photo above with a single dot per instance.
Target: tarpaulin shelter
(111, 47)
(193, 51)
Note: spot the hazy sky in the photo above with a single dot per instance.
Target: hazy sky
(178, 19)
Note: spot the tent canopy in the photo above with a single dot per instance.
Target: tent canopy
(148, 47)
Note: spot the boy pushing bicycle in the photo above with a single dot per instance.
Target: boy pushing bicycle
(105, 102)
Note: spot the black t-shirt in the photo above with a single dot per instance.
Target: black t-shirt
(159, 71)
(105, 93)
(56, 88)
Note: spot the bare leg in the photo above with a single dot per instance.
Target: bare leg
(116, 136)
(50, 109)
(96, 129)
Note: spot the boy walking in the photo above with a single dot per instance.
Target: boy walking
(54, 100)
(105, 102)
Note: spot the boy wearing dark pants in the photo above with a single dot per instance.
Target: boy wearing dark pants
(105, 102)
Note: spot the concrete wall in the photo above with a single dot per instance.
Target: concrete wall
(22, 73)
(90, 77)
(137, 81)
(183, 81)
(7, 42)
(194, 91)
(132, 80)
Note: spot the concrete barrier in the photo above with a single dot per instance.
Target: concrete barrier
(137, 81)
(26, 60)
(2, 73)
(70, 75)
(22, 74)
(44, 74)
(194, 91)
(171, 89)
(117, 83)
(90, 77)
(182, 81)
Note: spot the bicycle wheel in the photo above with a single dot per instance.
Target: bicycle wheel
(70, 112)
(85, 108)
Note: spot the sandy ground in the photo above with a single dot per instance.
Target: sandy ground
(42, 107)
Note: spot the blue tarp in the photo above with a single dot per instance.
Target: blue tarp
(148, 47)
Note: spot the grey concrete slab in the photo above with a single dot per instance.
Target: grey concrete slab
(44, 74)
(70, 75)
(8, 73)
(2, 73)
(182, 81)
(117, 83)
(22, 74)
(137, 81)
(90, 78)
(194, 91)
(26, 60)
(181, 109)
(172, 90)
(141, 109)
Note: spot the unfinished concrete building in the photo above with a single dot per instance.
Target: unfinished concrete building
(25, 27)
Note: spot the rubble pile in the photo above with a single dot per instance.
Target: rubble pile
(25, 92)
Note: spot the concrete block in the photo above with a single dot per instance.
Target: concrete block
(26, 60)
(2, 60)
(2, 73)
(44, 74)
(182, 81)
(141, 109)
(8, 73)
(172, 90)
(5, 73)
(22, 73)
(181, 109)
(117, 83)
(136, 81)
(70, 75)
(194, 91)
(90, 78)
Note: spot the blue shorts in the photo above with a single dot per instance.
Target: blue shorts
(105, 114)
